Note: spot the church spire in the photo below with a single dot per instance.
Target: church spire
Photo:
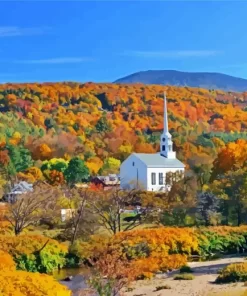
(166, 145)
(166, 130)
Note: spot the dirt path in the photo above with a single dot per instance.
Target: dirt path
(205, 274)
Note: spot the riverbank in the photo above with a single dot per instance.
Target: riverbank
(202, 285)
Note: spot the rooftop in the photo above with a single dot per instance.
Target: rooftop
(111, 179)
(155, 160)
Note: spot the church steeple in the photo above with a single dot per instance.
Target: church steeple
(165, 127)
(166, 145)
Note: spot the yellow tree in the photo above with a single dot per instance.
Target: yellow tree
(111, 166)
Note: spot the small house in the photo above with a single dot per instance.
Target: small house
(107, 182)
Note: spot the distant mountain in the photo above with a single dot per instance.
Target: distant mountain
(195, 79)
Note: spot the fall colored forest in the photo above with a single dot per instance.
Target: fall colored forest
(44, 126)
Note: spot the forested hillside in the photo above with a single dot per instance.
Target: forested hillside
(44, 126)
(191, 79)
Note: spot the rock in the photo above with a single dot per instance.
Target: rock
(68, 278)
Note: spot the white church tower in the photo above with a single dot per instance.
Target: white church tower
(153, 171)
(166, 144)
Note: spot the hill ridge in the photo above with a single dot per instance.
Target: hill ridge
(208, 80)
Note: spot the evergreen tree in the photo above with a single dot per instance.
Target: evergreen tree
(207, 207)
(76, 171)
(102, 125)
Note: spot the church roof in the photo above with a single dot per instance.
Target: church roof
(155, 160)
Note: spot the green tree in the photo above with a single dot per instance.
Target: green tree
(55, 164)
(102, 125)
(20, 157)
(202, 172)
(76, 171)
(232, 188)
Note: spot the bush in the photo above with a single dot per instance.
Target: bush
(23, 283)
(6, 228)
(221, 239)
(185, 269)
(164, 287)
(236, 272)
(152, 250)
(28, 254)
(6, 262)
(166, 240)
(184, 276)
(72, 261)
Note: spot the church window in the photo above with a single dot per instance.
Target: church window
(163, 148)
(163, 139)
(153, 178)
(133, 163)
(161, 179)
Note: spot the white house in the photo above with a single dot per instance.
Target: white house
(18, 189)
(153, 172)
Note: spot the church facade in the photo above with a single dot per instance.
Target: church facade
(153, 171)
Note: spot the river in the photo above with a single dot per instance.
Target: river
(66, 272)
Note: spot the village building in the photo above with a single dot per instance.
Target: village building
(17, 189)
(153, 171)
(107, 182)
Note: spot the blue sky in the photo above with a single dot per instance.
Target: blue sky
(102, 41)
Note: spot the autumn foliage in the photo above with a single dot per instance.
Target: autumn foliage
(144, 252)
(103, 123)
(21, 283)
(28, 251)
(6, 262)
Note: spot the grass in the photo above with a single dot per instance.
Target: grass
(184, 277)
(185, 269)
(164, 287)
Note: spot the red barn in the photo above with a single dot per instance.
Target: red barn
(107, 182)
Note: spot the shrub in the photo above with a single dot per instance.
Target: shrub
(6, 228)
(23, 283)
(236, 272)
(185, 269)
(164, 287)
(34, 253)
(6, 262)
(162, 249)
(184, 276)
(72, 260)
(166, 240)
(221, 239)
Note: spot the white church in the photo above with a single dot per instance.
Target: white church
(153, 172)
